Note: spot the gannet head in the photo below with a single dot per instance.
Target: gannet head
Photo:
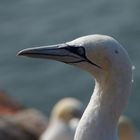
(98, 54)
(67, 109)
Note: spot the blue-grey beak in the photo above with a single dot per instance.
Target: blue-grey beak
(60, 52)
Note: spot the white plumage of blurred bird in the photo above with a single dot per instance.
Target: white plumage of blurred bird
(61, 126)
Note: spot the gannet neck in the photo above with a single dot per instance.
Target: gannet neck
(110, 96)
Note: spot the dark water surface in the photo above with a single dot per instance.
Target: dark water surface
(29, 23)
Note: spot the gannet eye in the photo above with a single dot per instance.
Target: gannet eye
(81, 51)
(77, 50)
(116, 51)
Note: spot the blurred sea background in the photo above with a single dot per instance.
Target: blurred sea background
(29, 23)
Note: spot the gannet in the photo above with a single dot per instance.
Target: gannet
(126, 129)
(61, 126)
(108, 62)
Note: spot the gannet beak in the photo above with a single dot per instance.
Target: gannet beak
(60, 52)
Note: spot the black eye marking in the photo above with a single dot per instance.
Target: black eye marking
(116, 51)
(77, 50)
(81, 52)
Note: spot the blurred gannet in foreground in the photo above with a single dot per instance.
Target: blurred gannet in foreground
(108, 62)
(61, 127)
